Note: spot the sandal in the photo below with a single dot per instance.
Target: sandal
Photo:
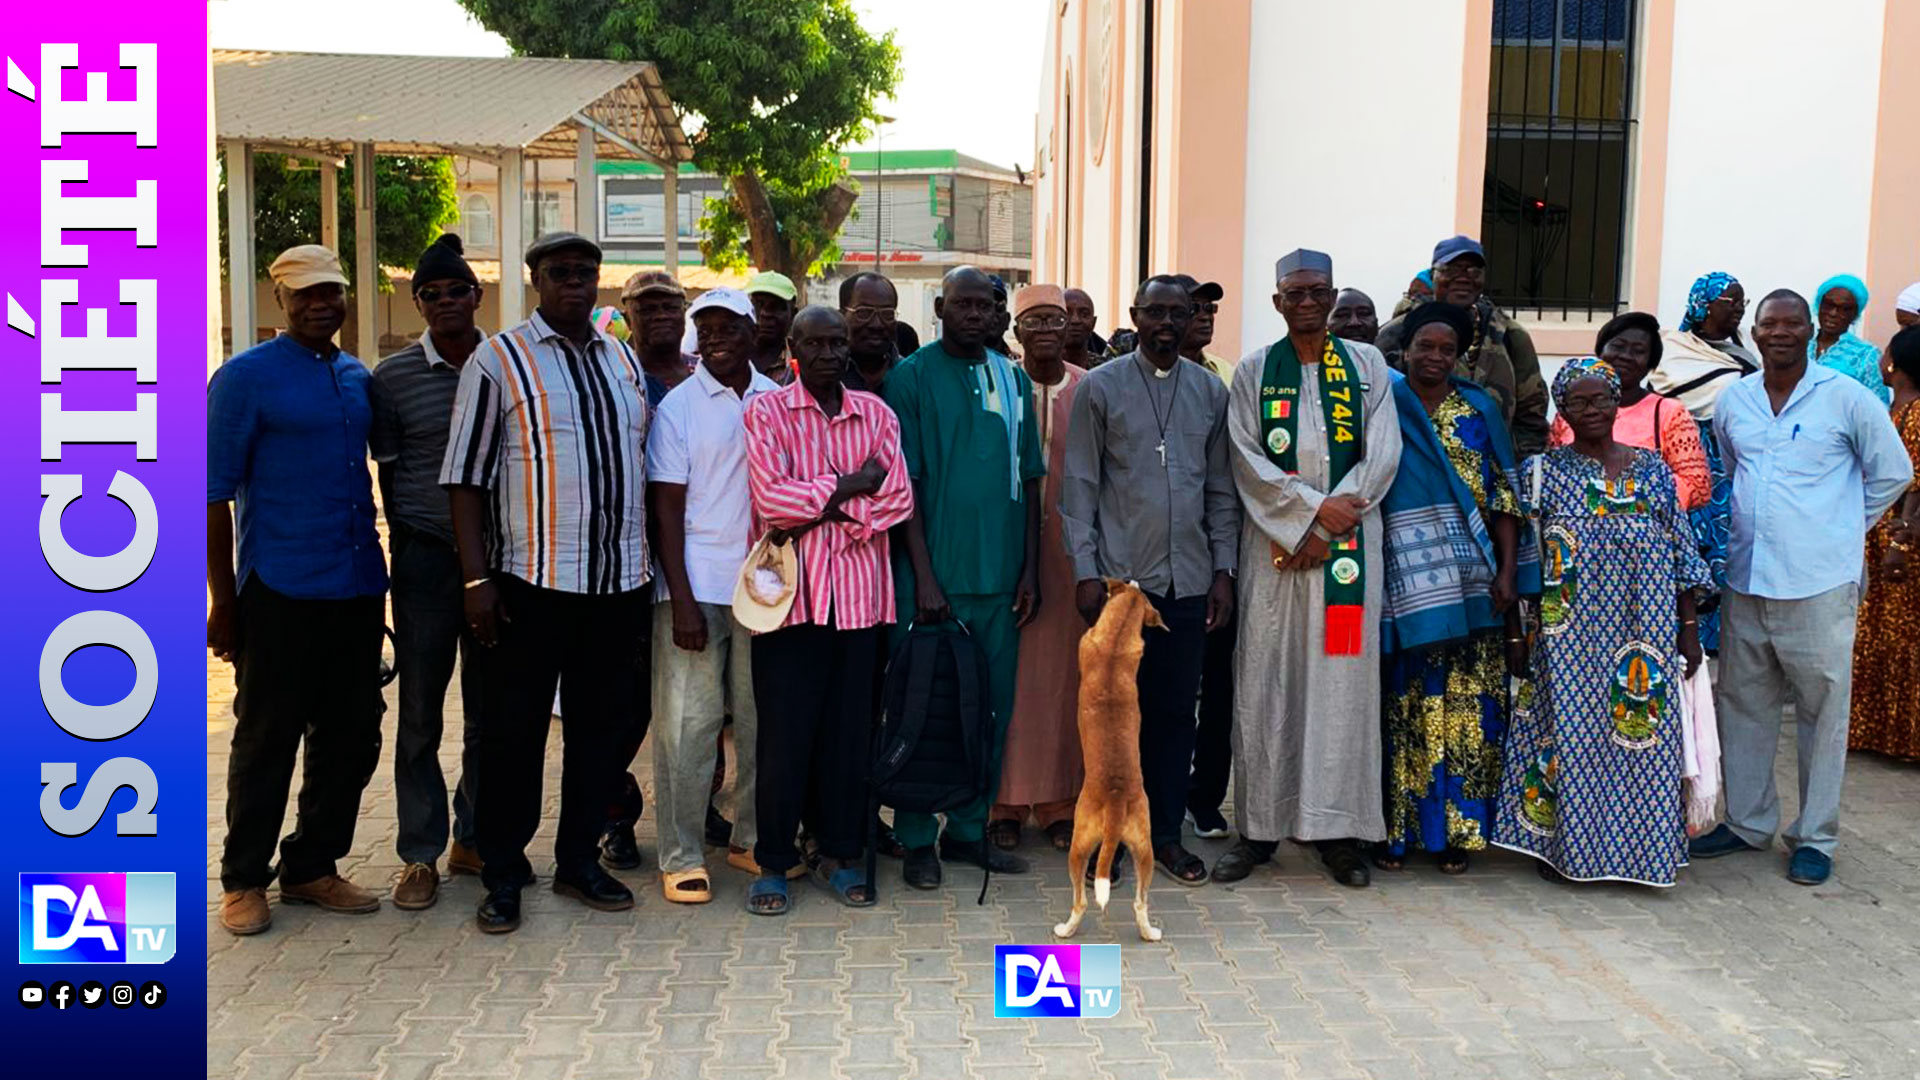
(848, 884)
(1452, 862)
(687, 886)
(768, 895)
(1005, 833)
(1385, 859)
(1181, 865)
(742, 859)
(1060, 835)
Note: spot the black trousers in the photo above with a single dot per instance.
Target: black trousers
(1213, 744)
(304, 669)
(595, 648)
(813, 686)
(429, 629)
(1169, 681)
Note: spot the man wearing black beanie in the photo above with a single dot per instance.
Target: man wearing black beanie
(413, 394)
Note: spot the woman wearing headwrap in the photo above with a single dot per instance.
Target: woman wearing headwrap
(1697, 362)
(1593, 761)
(1906, 309)
(1630, 343)
(1886, 647)
(1450, 629)
(1419, 291)
(1837, 306)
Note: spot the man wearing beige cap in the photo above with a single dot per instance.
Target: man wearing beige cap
(774, 301)
(300, 617)
(655, 305)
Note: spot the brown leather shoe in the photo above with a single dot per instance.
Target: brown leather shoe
(418, 887)
(462, 859)
(244, 912)
(331, 893)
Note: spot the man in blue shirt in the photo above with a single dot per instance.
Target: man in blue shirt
(301, 619)
(1815, 462)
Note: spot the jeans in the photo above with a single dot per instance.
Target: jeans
(815, 689)
(1770, 649)
(429, 628)
(594, 648)
(691, 692)
(304, 669)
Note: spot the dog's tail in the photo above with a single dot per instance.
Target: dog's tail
(1103, 873)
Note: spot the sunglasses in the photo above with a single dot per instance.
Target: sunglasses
(570, 273)
(1205, 307)
(432, 293)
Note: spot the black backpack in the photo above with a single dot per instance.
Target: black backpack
(930, 747)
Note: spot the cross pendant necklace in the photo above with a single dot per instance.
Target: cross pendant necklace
(1153, 402)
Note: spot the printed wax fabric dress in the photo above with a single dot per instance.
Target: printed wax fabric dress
(1886, 647)
(1593, 759)
(1446, 704)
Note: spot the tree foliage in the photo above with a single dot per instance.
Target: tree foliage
(414, 198)
(777, 86)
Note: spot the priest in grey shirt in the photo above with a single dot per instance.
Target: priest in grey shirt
(1147, 496)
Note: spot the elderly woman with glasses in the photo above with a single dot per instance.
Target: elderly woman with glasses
(1837, 306)
(1630, 343)
(1592, 775)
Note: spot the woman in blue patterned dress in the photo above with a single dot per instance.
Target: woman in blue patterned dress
(1593, 761)
(1449, 627)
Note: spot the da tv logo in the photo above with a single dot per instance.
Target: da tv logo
(1056, 980)
(96, 918)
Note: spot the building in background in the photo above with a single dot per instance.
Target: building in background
(933, 210)
(1606, 152)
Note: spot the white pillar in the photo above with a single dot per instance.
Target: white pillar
(240, 314)
(513, 246)
(586, 189)
(670, 192)
(366, 257)
(330, 206)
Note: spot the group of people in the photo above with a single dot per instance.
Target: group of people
(1403, 610)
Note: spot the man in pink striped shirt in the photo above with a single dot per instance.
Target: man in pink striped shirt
(824, 467)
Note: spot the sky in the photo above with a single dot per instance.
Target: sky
(991, 48)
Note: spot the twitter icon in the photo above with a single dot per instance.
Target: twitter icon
(92, 994)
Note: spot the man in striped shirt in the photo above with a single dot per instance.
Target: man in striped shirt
(824, 466)
(546, 467)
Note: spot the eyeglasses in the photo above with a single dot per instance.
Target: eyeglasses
(1586, 403)
(1321, 293)
(1205, 307)
(1460, 269)
(1163, 312)
(570, 273)
(457, 291)
(1043, 322)
(867, 316)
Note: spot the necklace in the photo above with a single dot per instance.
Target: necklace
(1153, 403)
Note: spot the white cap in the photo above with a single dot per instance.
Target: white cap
(1909, 299)
(727, 299)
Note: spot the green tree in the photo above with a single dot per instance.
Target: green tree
(777, 87)
(414, 198)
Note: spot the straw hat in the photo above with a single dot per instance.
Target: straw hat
(768, 582)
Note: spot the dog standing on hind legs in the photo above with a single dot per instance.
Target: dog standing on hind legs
(1112, 809)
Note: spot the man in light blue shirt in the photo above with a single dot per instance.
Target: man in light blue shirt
(1815, 462)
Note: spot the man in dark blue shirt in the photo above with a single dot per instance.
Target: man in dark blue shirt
(301, 619)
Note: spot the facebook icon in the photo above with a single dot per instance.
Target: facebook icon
(1056, 980)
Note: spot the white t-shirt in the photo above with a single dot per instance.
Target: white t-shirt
(699, 438)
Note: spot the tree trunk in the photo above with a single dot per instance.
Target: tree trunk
(764, 244)
(767, 246)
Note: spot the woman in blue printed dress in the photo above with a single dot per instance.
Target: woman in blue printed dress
(1591, 783)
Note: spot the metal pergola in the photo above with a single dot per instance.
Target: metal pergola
(338, 108)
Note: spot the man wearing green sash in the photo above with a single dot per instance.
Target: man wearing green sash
(1315, 447)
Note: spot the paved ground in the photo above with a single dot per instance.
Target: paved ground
(1735, 973)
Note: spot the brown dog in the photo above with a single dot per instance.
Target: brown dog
(1113, 801)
